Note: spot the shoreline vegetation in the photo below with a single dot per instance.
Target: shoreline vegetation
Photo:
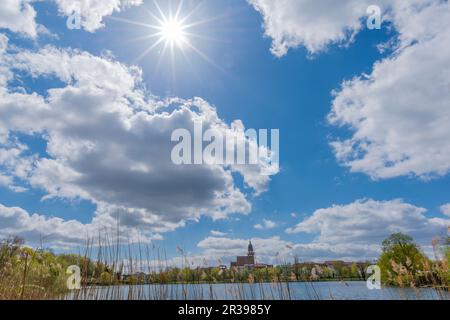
(40, 274)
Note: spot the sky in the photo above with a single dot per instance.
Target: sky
(91, 92)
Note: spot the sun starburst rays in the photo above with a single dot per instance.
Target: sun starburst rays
(172, 32)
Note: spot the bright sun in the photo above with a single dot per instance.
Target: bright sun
(172, 31)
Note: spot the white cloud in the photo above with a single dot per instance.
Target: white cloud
(217, 233)
(92, 12)
(5, 180)
(14, 164)
(355, 231)
(220, 250)
(266, 225)
(369, 222)
(109, 142)
(352, 232)
(38, 229)
(18, 16)
(317, 251)
(312, 24)
(277, 251)
(399, 114)
(445, 209)
(267, 250)
(18, 222)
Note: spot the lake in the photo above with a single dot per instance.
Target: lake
(356, 290)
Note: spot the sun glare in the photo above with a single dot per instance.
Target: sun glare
(172, 31)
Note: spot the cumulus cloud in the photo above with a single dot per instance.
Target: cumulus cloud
(368, 223)
(109, 142)
(218, 233)
(14, 164)
(92, 12)
(42, 229)
(222, 250)
(445, 209)
(352, 232)
(399, 113)
(312, 24)
(320, 252)
(266, 225)
(18, 222)
(227, 248)
(5, 180)
(18, 16)
(275, 250)
(343, 232)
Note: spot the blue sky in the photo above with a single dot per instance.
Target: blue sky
(292, 92)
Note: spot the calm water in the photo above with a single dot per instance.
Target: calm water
(291, 291)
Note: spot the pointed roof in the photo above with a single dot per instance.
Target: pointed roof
(250, 246)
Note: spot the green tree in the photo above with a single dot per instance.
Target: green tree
(401, 261)
(397, 240)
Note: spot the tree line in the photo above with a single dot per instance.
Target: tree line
(27, 273)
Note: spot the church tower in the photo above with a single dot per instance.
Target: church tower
(250, 252)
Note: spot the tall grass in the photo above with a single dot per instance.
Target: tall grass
(39, 274)
(29, 274)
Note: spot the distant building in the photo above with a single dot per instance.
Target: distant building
(248, 261)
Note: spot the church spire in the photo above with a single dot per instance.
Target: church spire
(250, 249)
